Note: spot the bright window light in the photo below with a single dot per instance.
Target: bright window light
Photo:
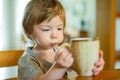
(1, 28)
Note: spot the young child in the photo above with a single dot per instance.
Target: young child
(44, 22)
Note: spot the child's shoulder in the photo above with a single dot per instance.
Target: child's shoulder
(27, 55)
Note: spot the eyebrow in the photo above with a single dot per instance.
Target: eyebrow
(51, 25)
(60, 24)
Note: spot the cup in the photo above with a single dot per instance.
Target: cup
(85, 52)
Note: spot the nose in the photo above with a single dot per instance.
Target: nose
(54, 34)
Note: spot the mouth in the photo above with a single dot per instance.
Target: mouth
(53, 43)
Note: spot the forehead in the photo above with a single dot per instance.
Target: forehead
(54, 21)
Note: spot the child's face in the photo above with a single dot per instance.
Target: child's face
(49, 34)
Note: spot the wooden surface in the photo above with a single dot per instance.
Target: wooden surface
(104, 75)
(117, 15)
(8, 64)
(105, 30)
(10, 57)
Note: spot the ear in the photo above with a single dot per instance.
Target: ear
(31, 36)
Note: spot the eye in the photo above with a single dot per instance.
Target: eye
(59, 28)
(45, 29)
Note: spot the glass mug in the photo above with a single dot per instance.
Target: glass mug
(85, 52)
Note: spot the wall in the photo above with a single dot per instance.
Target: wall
(118, 27)
(78, 10)
(118, 34)
(10, 24)
(118, 6)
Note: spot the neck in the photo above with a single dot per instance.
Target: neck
(46, 54)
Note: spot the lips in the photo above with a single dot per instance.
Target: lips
(53, 43)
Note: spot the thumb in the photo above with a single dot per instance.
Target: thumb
(100, 54)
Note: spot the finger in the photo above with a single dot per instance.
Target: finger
(95, 73)
(61, 55)
(63, 52)
(68, 58)
(64, 58)
(59, 52)
(97, 70)
(68, 61)
(100, 54)
(100, 62)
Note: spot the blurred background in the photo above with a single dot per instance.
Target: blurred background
(85, 18)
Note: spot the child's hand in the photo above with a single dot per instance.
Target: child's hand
(99, 64)
(64, 58)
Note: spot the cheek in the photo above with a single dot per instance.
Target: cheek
(41, 40)
(61, 38)
(40, 37)
(43, 37)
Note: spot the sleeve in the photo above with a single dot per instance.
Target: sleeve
(28, 68)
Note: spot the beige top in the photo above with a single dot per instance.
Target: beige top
(29, 66)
